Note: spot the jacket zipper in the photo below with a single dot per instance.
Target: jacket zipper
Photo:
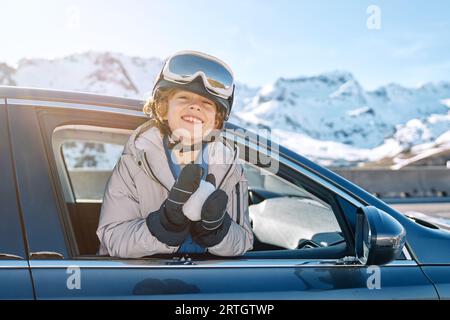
(238, 199)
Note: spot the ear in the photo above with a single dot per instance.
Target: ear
(164, 106)
(217, 124)
(219, 118)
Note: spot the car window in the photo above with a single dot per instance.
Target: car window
(85, 157)
(89, 165)
(288, 216)
(284, 215)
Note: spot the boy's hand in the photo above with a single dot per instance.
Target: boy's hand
(168, 224)
(184, 187)
(214, 210)
(215, 221)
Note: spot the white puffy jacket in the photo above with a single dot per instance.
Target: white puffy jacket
(140, 183)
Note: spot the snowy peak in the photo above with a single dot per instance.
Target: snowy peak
(318, 86)
(110, 70)
(99, 72)
(395, 93)
(325, 107)
(333, 79)
(349, 90)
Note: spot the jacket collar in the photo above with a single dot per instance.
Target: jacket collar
(222, 157)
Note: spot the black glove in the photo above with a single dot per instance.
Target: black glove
(215, 221)
(168, 224)
(186, 184)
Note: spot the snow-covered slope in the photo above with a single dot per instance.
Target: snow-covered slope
(331, 118)
(110, 73)
(328, 117)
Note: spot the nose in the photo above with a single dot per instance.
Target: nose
(194, 106)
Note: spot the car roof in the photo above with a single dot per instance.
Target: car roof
(30, 93)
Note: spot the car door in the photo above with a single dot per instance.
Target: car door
(15, 279)
(60, 271)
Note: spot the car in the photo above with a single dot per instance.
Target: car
(316, 235)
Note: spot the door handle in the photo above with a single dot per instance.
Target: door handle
(7, 256)
(46, 255)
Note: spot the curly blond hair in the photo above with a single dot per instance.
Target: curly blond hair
(157, 107)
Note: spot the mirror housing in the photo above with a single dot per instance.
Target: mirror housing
(379, 238)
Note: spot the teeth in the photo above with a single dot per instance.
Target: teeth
(192, 119)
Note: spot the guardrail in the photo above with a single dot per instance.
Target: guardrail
(407, 183)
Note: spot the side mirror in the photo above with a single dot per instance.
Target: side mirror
(379, 238)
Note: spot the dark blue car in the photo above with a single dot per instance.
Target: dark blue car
(317, 236)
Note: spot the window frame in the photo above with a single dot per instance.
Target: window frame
(292, 176)
(60, 161)
(51, 118)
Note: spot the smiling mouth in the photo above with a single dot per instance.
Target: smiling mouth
(192, 119)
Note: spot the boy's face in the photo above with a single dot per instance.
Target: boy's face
(191, 116)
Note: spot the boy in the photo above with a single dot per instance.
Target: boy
(175, 187)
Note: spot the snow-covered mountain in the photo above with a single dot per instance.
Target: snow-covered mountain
(328, 117)
(109, 73)
(331, 118)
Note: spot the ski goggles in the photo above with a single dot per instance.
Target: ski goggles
(185, 66)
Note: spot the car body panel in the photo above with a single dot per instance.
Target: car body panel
(37, 198)
(11, 240)
(15, 279)
(255, 279)
(440, 276)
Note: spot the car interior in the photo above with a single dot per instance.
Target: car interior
(290, 219)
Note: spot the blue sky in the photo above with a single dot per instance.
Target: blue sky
(261, 39)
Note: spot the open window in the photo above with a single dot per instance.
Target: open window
(85, 158)
(291, 215)
(287, 216)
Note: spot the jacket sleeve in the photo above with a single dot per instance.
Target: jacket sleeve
(239, 237)
(122, 231)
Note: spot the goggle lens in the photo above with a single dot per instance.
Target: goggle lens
(187, 65)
